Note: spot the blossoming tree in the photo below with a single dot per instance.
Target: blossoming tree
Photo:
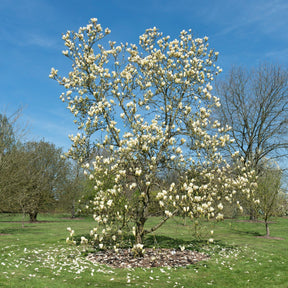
(148, 106)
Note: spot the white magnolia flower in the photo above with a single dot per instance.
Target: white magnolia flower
(220, 206)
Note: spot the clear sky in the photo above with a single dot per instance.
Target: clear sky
(245, 32)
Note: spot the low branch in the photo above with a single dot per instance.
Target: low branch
(159, 224)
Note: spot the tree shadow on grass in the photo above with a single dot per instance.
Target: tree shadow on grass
(166, 242)
(160, 241)
(247, 232)
(15, 230)
(156, 241)
(176, 243)
(11, 231)
(8, 231)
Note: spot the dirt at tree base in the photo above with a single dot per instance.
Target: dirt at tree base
(152, 258)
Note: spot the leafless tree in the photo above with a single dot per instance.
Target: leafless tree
(255, 104)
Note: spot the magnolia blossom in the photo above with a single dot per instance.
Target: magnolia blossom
(147, 109)
(220, 206)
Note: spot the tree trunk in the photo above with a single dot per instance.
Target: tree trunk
(33, 216)
(185, 220)
(73, 209)
(23, 217)
(140, 231)
(267, 228)
(253, 215)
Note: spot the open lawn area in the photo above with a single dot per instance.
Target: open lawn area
(37, 255)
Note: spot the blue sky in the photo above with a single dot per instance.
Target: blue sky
(244, 32)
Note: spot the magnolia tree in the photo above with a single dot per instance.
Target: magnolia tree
(147, 107)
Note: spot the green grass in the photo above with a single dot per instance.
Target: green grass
(36, 255)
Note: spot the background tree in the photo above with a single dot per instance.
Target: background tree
(74, 188)
(8, 178)
(10, 133)
(269, 192)
(149, 107)
(46, 172)
(254, 104)
(9, 139)
(33, 177)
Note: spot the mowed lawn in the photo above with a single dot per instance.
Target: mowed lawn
(36, 255)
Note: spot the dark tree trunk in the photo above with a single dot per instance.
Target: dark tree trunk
(253, 215)
(73, 209)
(140, 231)
(33, 216)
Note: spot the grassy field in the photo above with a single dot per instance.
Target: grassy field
(36, 255)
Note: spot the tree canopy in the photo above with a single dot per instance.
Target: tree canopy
(32, 177)
(7, 135)
(148, 106)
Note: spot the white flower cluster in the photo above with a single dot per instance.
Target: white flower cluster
(138, 250)
(148, 108)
